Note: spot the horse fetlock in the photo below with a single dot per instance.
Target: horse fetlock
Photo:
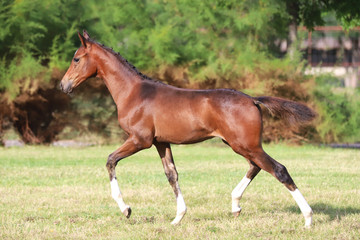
(181, 211)
(308, 214)
(236, 195)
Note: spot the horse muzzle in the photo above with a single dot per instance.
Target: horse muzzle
(67, 86)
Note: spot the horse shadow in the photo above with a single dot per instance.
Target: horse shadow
(333, 212)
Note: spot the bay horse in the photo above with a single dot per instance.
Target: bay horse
(153, 113)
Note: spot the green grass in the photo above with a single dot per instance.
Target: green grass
(64, 193)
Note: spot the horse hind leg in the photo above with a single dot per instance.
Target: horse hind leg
(238, 191)
(164, 151)
(279, 171)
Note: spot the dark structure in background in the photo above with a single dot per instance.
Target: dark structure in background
(331, 49)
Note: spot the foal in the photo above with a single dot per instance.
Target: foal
(153, 113)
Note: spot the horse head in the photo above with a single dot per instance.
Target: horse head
(82, 65)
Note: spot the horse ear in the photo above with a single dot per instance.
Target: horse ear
(86, 35)
(82, 39)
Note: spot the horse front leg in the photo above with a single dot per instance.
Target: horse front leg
(167, 160)
(130, 147)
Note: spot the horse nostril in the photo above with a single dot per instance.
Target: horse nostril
(61, 87)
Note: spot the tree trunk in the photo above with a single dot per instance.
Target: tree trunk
(292, 39)
(293, 9)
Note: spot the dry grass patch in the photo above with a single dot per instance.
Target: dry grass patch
(61, 193)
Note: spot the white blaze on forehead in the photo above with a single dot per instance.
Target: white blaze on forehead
(76, 52)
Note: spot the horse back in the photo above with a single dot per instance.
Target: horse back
(187, 116)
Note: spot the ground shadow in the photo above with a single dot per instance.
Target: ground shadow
(333, 212)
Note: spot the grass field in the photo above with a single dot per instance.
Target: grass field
(64, 193)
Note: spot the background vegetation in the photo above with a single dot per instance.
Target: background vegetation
(186, 43)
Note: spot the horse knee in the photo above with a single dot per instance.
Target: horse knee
(282, 174)
(110, 166)
(111, 161)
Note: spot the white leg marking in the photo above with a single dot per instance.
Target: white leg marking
(237, 193)
(116, 194)
(304, 206)
(180, 208)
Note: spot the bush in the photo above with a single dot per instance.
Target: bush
(37, 39)
(196, 44)
(338, 109)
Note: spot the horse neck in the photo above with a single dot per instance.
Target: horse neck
(120, 80)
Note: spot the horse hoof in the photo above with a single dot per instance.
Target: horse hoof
(308, 222)
(236, 214)
(127, 212)
(178, 219)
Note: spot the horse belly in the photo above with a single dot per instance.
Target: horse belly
(181, 131)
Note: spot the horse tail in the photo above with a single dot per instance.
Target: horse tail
(293, 112)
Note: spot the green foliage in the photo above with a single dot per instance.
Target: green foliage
(338, 111)
(19, 74)
(36, 36)
(214, 41)
(311, 13)
(97, 114)
(61, 49)
(204, 37)
(211, 43)
(346, 12)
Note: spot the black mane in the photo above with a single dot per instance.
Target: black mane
(122, 60)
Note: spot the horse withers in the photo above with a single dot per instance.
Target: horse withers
(153, 113)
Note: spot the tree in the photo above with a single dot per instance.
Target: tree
(35, 41)
(310, 14)
(207, 44)
(184, 42)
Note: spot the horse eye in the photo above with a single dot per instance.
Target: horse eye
(76, 59)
